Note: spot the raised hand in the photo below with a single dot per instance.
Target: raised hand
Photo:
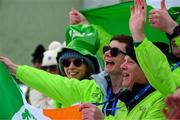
(10, 65)
(90, 112)
(138, 20)
(160, 19)
(75, 17)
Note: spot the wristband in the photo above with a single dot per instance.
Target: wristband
(175, 33)
(136, 44)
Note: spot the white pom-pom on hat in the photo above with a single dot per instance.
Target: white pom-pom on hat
(50, 55)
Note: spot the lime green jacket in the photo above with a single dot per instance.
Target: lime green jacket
(156, 68)
(177, 40)
(147, 109)
(60, 88)
(73, 91)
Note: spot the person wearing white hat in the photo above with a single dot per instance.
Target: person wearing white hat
(50, 65)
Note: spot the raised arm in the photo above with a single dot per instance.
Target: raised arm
(54, 86)
(12, 67)
(161, 20)
(138, 20)
(152, 61)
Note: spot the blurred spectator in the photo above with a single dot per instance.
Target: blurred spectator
(37, 56)
(50, 65)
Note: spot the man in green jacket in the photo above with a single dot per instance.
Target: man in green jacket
(141, 100)
(154, 64)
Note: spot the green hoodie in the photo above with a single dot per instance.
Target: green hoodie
(156, 68)
(73, 91)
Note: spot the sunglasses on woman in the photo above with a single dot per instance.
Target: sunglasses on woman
(76, 62)
(113, 51)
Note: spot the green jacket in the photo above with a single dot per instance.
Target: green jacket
(73, 91)
(177, 40)
(147, 109)
(156, 68)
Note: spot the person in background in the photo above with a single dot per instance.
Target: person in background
(37, 56)
(36, 61)
(49, 64)
(161, 20)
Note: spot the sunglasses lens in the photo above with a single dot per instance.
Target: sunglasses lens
(51, 68)
(44, 68)
(105, 48)
(114, 52)
(66, 63)
(78, 62)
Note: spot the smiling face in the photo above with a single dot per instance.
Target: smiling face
(132, 73)
(112, 63)
(74, 71)
(175, 48)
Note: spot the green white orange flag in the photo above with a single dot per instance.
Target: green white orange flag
(14, 106)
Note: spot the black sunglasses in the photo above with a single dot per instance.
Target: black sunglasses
(76, 62)
(113, 51)
(51, 68)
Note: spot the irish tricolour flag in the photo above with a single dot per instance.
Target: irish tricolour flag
(14, 106)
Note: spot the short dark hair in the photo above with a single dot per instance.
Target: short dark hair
(38, 54)
(123, 39)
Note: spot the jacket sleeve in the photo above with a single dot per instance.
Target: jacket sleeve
(177, 40)
(59, 88)
(156, 68)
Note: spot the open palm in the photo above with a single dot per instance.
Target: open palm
(138, 17)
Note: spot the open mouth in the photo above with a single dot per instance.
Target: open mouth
(73, 73)
(125, 74)
(110, 63)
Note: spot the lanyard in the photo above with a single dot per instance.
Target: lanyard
(175, 66)
(114, 108)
